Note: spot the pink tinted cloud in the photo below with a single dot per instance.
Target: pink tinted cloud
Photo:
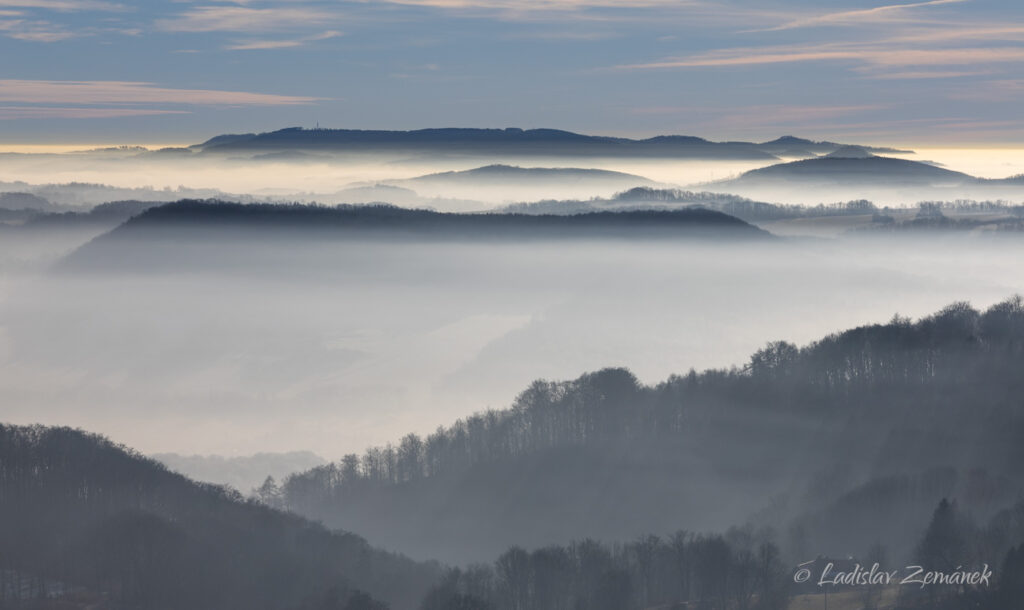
(47, 112)
(879, 14)
(867, 54)
(121, 92)
(245, 19)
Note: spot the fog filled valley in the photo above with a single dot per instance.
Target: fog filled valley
(507, 369)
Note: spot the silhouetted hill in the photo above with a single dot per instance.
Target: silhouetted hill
(117, 528)
(513, 141)
(790, 146)
(850, 152)
(509, 141)
(491, 174)
(857, 169)
(792, 433)
(505, 182)
(105, 214)
(82, 196)
(190, 231)
(15, 201)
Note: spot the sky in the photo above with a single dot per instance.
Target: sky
(933, 72)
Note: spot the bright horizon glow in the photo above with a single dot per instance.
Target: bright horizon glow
(321, 180)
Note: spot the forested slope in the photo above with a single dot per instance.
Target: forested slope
(887, 417)
(80, 514)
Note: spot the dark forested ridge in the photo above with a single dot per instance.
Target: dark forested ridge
(108, 214)
(740, 569)
(386, 218)
(94, 522)
(510, 141)
(481, 141)
(836, 445)
(741, 207)
(743, 569)
(791, 146)
(179, 232)
(956, 215)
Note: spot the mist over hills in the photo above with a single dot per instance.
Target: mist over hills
(791, 146)
(858, 218)
(854, 165)
(851, 446)
(645, 198)
(243, 473)
(105, 214)
(540, 176)
(856, 173)
(476, 189)
(15, 201)
(378, 193)
(74, 196)
(504, 183)
(880, 421)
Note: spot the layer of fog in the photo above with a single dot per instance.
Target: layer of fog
(322, 179)
(331, 178)
(243, 473)
(361, 343)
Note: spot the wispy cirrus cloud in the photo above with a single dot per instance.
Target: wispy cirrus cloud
(34, 30)
(66, 5)
(123, 92)
(51, 112)
(879, 14)
(923, 74)
(562, 35)
(864, 53)
(245, 19)
(543, 5)
(40, 35)
(22, 19)
(255, 45)
(979, 32)
(617, 12)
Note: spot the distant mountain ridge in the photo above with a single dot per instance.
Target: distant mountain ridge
(513, 141)
(792, 146)
(499, 182)
(501, 171)
(852, 165)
